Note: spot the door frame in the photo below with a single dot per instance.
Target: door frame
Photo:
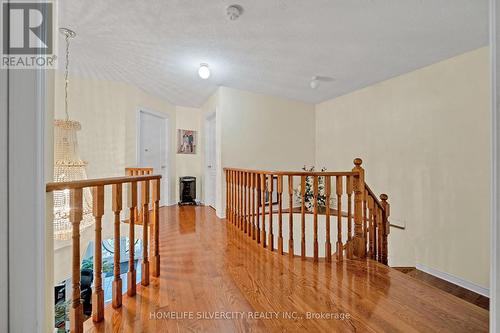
(4, 205)
(166, 194)
(208, 117)
(494, 12)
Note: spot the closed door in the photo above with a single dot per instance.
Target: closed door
(210, 162)
(153, 148)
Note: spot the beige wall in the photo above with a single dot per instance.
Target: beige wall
(107, 111)
(189, 164)
(424, 137)
(263, 132)
(425, 140)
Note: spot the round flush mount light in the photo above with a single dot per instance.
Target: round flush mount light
(234, 11)
(204, 71)
(314, 83)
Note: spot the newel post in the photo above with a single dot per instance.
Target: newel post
(359, 188)
(385, 226)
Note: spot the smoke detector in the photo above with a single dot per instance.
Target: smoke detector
(234, 11)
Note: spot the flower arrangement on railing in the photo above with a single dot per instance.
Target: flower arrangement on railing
(309, 192)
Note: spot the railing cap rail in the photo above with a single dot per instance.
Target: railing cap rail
(296, 173)
(77, 184)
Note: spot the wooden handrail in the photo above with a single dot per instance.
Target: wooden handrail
(97, 186)
(254, 196)
(59, 186)
(138, 171)
(293, 173)
(374, 196)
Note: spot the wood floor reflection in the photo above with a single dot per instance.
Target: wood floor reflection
(209, 269)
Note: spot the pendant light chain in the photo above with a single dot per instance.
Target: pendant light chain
(66, 80)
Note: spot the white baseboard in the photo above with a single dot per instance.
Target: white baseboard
(455, 280)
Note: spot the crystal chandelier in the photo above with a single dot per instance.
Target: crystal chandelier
(68, 166)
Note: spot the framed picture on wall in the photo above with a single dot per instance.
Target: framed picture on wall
(186, 141)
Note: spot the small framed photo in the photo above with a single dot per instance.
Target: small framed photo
(186, 141)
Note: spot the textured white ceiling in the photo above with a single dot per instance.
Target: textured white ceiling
(275, 47)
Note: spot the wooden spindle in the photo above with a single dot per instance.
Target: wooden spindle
(245, 216)
(315, 218)
(280, 214)
(270, 241)
(230, 194)
(257, 213)
(249, 202)
(339, 247)
(98, 294)
(328, 243)
(233, 180)
(248, 199)
(349, 191)
(371, 251)
(290, 216)
(132, 203)
(359, 249)
(380, 235)
(227, 193)
(252, 185)
(303, 217)
(247, 205)
(236, 198)
(375, 232)
(117, 281)
(238, 216)
(75, 217)
(235, 195)
(240, 191)
(365, 217)
(145, 222)
(386, 226)
(156, 227)
(263, 204)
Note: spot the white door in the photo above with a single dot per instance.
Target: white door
(153, 148)
(210, 162)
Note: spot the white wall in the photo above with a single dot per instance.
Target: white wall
(189, 164)
(425, 140)
(262, 132)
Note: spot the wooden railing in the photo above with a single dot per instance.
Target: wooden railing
(97, 185)
(138, 172)
(255, 197)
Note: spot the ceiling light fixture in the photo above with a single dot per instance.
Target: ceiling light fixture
(315, 81)
(234, 11)
(204, 71)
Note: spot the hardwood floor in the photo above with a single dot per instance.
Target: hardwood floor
(210, 268)
(466, 295)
